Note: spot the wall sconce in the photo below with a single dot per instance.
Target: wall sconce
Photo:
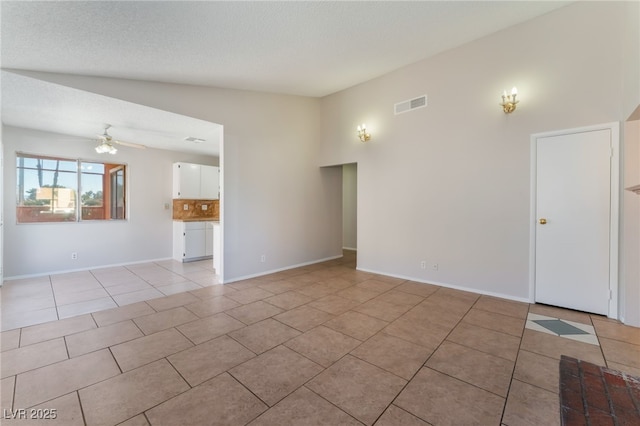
(362, 133)
(509, 101)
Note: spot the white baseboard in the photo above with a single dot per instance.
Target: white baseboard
(89, 268)
(273, 271)
(452, 286)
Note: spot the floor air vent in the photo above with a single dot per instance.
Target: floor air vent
(410, 105)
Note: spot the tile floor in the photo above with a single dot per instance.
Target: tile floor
(162, 344)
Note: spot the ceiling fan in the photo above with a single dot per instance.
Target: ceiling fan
(106, 141)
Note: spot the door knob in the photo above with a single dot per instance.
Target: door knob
(543, 221)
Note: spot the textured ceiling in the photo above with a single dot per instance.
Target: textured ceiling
(311, 48)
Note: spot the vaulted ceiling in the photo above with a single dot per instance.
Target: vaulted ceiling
(312, 48)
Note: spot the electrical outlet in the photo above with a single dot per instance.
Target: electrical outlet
(74, 256)
(423, 264)
(434, 266)
(263, 258)
(204, 207)
(166, 206)
(185, 207)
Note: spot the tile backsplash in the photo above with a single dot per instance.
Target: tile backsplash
(196, 209)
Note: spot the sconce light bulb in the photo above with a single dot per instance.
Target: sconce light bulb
(359, 128)
(514, 91)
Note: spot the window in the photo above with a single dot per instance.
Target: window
(48, 187)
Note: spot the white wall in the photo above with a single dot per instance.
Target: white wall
(350, 206)
(32, 249)
(449, 183)
(276, 200)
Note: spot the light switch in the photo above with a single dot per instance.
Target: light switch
(185, 207)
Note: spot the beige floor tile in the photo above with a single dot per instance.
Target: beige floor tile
(147, 349)
(552, 311)
(209, 359)
(210, 327)
(377, 285)
(498, 322)
(397, 297)
(7, 387)
(304, 408)
(634, 371)
(264, 335)
(483, 370)
(177, 288)
(75, 286)
(51, 330)
(212, 305)
(29, 318)
(126, 395)
(432, 312)
(502, 306)
(288, 300)
(617, 331)
(555, 346)
(249, 295)
(439, 399)
(123, 313)
(80, 296)
(254, 312)
(81, 308)
(139, 420)
(531, 405)
(357, 294)
(170, 302)
(212, 291)
(621, 352)
(395, 355)
(382, 310)
(323, 345)
(333, 304)
(303, 318)
(396, 416)
(153, 323)
(339, 282)
(128, 287)
(275, 374)
(33, 356)
(452, 304)
(357, 387)
(419, 289)
(280, 286)
(16, 304)
(9, 339)
(538, 370)
(103, 337)
(137, 296)
(220, 401)
(317, 290)
(357, 325)
(52, 381)
(62, 411)
(423, 333)
(485, 340)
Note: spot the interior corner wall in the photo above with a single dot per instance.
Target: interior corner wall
(630, 232)
(349, 206)
(449, 184)
(277, 202)
(44, 248)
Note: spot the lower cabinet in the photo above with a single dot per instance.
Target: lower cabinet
(192, 240)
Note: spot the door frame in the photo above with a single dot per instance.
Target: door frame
(614, 208)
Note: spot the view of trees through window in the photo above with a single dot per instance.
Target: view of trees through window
(47, 189)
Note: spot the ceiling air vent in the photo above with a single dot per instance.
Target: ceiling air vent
(410, 105)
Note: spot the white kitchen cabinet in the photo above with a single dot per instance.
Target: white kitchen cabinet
(191, 240)
(196, 181)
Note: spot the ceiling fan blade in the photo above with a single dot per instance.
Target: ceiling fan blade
(130, 144)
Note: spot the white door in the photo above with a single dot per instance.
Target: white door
(573, 207)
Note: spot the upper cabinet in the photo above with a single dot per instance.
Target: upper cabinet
(196, 181)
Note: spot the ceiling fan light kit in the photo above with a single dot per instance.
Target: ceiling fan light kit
(105, 145)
